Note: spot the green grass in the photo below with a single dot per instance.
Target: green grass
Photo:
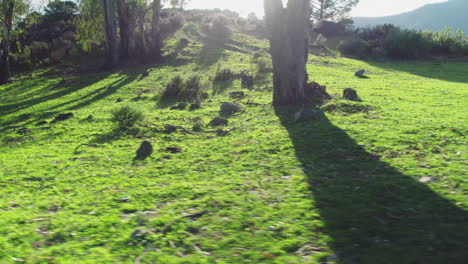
(343, 189)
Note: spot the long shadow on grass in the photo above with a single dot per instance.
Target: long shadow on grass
(452, 72)
(372, 212)
(69, 105)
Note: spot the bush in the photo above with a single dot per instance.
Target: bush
(219, 28)
(224, 74)
(405, 43)
(179, 89)
(264, 64)
(173, 88)
(447, 42)
(330, 29)
(127, 116)
(355, 47)
(192, 88)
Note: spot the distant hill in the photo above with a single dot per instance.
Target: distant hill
(434, 17)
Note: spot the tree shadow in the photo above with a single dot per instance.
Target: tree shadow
(372, 212)
(71, 86)
(452, 72)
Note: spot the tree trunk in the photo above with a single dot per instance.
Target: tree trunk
(156, 43)
(110, 27)
(4, 59)
(288, 29)
(124, 26)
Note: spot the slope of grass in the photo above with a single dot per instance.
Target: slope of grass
(342, 189)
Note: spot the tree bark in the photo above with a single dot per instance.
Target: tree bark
(110, 27)
(5, 57)
(124, 26)
(156, 43)
(288, 29)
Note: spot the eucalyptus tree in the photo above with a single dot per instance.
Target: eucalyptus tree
(10, 13)
(288, 32)
(332, 10)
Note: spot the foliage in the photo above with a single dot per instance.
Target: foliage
(263, 64)
(447, 41)
(218, 27)
(57, 10)
(224, 74)
(185, 90)
(406, 43)
(127, 116)
(173, 88)
(391, 41)
(355, 47)
(332, 10)
(89, 25)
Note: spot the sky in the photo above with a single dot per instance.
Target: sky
(364, 8)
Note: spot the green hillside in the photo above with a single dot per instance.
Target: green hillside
(378, 181)
(434, 17)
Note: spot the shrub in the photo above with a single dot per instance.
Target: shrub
(405, 43)
(224, 74)
(177, 20)
(264, 64)
(192, 88)
(447, 42)
(173, 88)
(355, 47)
(187, 90)
(127, 116)
(219, 28)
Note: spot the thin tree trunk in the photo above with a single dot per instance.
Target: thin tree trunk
(4, 59)
(288, 29)
(156, 43)
(110, 26)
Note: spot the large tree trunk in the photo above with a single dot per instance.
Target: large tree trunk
(156, 43)
(124, 26)
(288, 29)
(4, 59)
(110, 26)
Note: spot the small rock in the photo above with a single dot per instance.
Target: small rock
(246, 80)
(219, 121)
(350, 94)
(170, 129)
(426, 179)
(41, 123)
(63, 117)
(195, 106)
(120, 100)
(204, 96)
(173, 150)
(230, 108)
(124, 199)
(24, 117)
(180, 106)
(145, 150)
(237, 95)
(138, 234)
(23, 131)
(89, 118)
(54, 208)
(360, 73)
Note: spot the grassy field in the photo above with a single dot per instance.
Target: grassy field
(380, 181)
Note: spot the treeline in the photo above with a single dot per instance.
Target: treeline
(389, 41)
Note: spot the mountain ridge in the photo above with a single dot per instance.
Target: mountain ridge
(434, 17)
